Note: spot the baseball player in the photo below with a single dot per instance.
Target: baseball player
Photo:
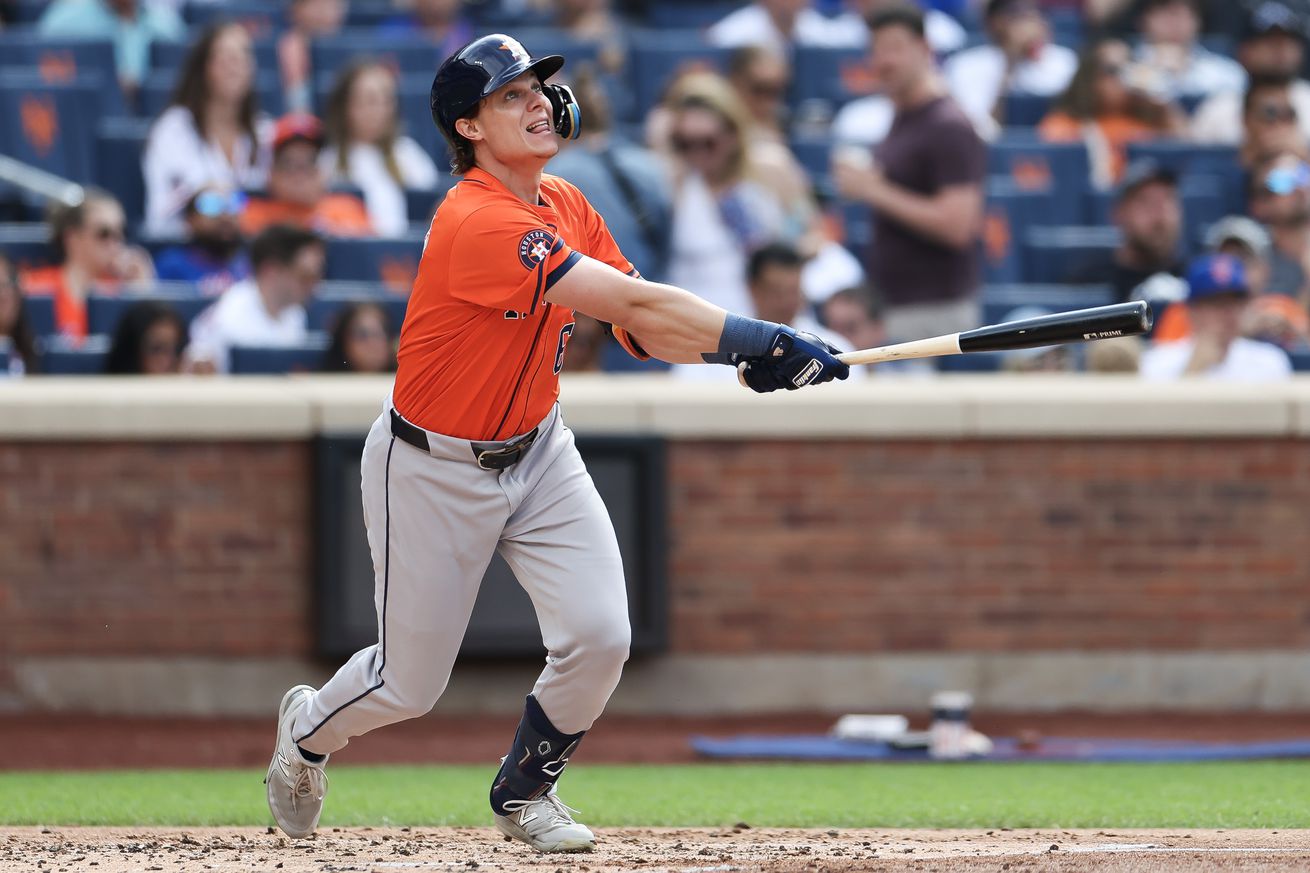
(470, 456)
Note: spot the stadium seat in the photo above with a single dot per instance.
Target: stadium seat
(1009, 212)
(168, 57)
(1300, 361)
(62, 357)
(814, 154)
(1060, 170)
(119, 145)
(823, 80)
(156, 92)
(688, 14)
(1204, 199)
(26, 11)
(1057, 254)
(410, 54)
(978, 362)
(62, 59)
(331, 297)
(27, 244)
(655, 57)
(259, 360)
(6, 350)
(394, 262)
(104, 311)
(50, 125)
(261, 18)
(421, 203)
(1189, 160)
(1000, 300)
(368, 13)
(1024, 110)
(40, 311)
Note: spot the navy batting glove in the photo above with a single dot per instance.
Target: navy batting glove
(794, 360)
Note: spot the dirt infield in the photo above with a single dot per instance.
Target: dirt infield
(115, 850)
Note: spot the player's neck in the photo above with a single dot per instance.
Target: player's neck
(523, 182)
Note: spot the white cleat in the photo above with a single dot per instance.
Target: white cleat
(546, 825)
(296, 787)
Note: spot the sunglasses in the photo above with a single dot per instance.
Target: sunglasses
(105, 233)
(212, 204)
(1271, 114)
(774, 90)
(362, 333)
(1285, 180)
(688, 144)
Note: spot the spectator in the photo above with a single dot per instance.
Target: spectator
(1103, 109)
(267, 309)
(361, 341)
(1244, 238)
(441, 22)
(213, 257)
(1279, 198)
(148, 341)
(1114, 356)
(855, 314)
(1272, 48)
(309, 20)
(593, 22)
(781, 25)
(1217, 295)
(131, 24)
(924, 184)
(366, 149)
(90, 246)
(1279, 321)
(623, 181)
(1019, 59)
(14, 327)
(1172, 64)
(761, 77)
(1146, 264)
(945, 34)
(720, 212)
(210, 134)
(297, 187)
(1269, 123)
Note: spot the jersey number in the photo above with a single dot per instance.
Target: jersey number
(565, 332)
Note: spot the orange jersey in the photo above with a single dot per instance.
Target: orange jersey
(481, 348)
(335, 215)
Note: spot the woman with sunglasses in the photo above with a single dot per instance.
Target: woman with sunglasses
(92, 254)
(213, 257)
(1269, 123)
(366, 149)
(211, 133)
(1109, 103)
(147, 342)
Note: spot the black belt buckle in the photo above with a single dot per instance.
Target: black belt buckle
(505, 456)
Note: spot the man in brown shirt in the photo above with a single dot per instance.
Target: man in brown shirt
(924, 183)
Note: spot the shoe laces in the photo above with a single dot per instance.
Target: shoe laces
(553, 811)
(311, 783)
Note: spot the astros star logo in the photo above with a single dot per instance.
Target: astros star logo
(535, 247)
(515, 50)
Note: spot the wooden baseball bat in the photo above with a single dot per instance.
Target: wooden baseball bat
(1079, 325)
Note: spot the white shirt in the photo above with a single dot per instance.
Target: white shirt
(1247, 361)
(176, 163)
(1205, 73)
(1218, 120)
(240, 318)
(752, 25)
(976, 76)
(366, 169)
(864, 122)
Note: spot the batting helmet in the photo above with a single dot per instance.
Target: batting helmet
(479, 68)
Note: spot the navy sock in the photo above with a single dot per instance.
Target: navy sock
(311, 757)
(535, 760)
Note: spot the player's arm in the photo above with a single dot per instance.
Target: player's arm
(671, 324)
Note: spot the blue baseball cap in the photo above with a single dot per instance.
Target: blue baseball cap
(1212, 275)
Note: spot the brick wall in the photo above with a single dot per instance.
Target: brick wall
(202, 549)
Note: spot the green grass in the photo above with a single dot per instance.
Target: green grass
(1270, 794)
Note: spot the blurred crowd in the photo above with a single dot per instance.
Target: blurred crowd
(881, 237)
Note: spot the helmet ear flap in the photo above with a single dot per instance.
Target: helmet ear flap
(566, 114)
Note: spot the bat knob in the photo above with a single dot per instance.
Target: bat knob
(741, 374)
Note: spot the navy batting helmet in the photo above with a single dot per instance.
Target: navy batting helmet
(479, 68)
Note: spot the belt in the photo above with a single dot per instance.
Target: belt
(490, 456)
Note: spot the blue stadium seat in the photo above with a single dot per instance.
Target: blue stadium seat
(1000, 300)
(104, 311)
(168, 57)
(62, 59)
(40, 311)
(1025, 110)
(815, 155)
(259, 360)
(410, 54)
(1009, 212)
(27, 244)
(62, 357)
(156, 92)
(331, 297)
(978, 362)
(50, 125)
(6, 349)
(421, 203)
(391, 261)
(120, 143)
(1060, 170)
(654, 57)
(368, 13)
(1300, 361)
(1204, 199)
(825, 79)
(261, 18)
(687, 14)
(1056, 254)
(1191, 159)
(26, 11)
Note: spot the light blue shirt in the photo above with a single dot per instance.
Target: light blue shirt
(95, 19)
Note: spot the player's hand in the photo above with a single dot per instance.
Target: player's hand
(794, 360)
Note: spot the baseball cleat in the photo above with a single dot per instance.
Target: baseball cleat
(546, 825)
(296, 787)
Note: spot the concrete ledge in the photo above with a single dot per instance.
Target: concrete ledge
(1272, 681)
(961, 407)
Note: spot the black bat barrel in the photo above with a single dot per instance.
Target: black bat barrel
(1101, 322)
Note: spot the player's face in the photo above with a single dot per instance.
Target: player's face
(513, 123)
